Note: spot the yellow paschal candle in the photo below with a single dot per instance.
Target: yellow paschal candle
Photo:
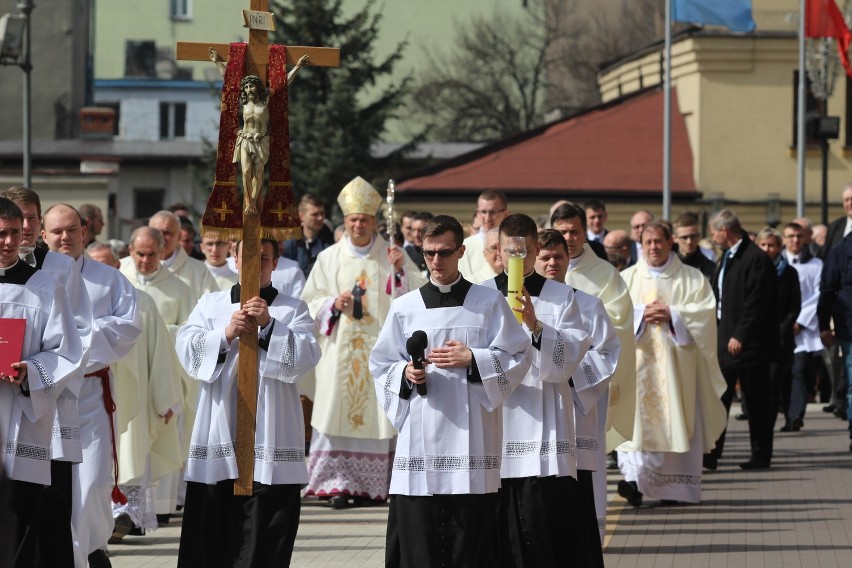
(516, 282)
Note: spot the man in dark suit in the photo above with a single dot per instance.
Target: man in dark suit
(835, 303)
(836, 232)
(838, 228)
(789, 304)
(745, 287)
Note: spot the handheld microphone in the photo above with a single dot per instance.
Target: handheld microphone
(416, 348)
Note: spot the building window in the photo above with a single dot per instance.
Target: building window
(172, 120)
(147, 201)
(181, 9)
(814, 105)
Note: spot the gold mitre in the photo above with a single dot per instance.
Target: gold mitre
(359, 197)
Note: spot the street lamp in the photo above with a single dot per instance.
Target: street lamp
(15, 50)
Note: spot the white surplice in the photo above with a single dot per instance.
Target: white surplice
(807, 340)
(591, 396)
(597, 277)
(291, 350)
(191, 272)
(52, 351)
(450, 440)
(66, 444)
(288, 277)
(115, 327)
(538, 418)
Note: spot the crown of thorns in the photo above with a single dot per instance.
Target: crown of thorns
(262, 91)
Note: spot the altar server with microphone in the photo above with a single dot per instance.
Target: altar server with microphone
(446, 470)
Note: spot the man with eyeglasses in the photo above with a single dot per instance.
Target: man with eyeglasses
(446, 471)
(687, 234)
(491, 209)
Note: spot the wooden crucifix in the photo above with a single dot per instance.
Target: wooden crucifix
(257, 59)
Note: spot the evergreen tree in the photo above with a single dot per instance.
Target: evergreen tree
(332, 122)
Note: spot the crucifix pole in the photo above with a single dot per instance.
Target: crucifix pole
(259, 21)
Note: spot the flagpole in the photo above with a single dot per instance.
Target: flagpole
(802, 104)
(667, 118)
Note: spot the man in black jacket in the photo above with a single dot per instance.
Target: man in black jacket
(687, 233)
(745, 288)
(839, 228)
(789, 303)
(835, 302)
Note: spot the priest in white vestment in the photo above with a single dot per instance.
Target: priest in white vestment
(446, 471)
(116, 326)
(49, 358)
(174, 301)
(590, 386)
(595, 276)
(147, 388)
(539, 493)
(190, 271)
(679, 412)
(349, 292)
(219, 528)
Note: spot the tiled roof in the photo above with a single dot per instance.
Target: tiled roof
(614, 148)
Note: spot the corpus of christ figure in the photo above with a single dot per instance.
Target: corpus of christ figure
(252, 148)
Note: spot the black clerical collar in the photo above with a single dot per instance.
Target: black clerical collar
(434, 298)
(533, 282)
(268, 293)
(18, 273)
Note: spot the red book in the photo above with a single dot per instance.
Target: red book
(11, 343)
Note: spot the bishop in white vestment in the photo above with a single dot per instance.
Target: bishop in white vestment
(349, 292)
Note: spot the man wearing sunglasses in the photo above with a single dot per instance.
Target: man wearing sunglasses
(446, 471)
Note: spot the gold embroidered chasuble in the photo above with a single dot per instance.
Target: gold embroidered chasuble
(671, 369)
(345, 401)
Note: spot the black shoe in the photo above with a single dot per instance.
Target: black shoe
(338, 502)
(829, 409)
(793, 426)
(669, 502)
(711, 462)
(798, 424)
(612, 460)
(840, 413)
(741, 417)
(755, 463)
(163, 520)
(630, 491)
(99, 559)
(850, 446)
(364, 502)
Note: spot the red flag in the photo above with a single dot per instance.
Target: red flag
(824, 19)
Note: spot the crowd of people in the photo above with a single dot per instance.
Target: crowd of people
(392, 369)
